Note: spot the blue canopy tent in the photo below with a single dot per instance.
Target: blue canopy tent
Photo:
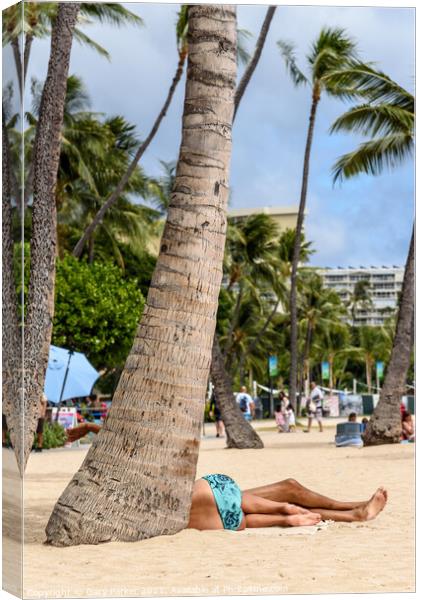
(69, 375)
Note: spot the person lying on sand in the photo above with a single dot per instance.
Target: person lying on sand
(218, 503)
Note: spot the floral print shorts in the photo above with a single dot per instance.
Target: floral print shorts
(227, 496)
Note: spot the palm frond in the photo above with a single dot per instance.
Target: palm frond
(243, 56)
(375, 119)
(371, 84)
(111, 13)
(288, 54)
(82, 38)
(373, 156)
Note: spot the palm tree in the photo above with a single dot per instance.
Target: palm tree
(387, 116)
(371, 347)
(360, 298)
(36, 23)
(333, 345)
(136, 480)
(331, 52)
(319, 309)
(40, 299)
(11, 333)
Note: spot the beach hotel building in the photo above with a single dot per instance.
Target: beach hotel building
(385, 283)
(285, 216)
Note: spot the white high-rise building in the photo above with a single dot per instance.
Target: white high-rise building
(384, 285)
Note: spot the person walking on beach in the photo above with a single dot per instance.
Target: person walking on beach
(315, 407)
(216, 413)
(246, 403)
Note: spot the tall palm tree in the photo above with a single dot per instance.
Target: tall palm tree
(331, 52)
(372, 346)
(136, 480)
(387, 116)
(40, 299)
(332, 345)
(11, 331)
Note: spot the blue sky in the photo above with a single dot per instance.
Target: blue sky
(366, 221)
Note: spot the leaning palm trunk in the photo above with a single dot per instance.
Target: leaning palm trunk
(112, 199)
(136, 480)
(240, 434)
(40, 301)
(11, 334)
(296, 255)
(384, 426)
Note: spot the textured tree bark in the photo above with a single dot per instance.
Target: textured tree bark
(239, 432)
(27, 51)
(136, 480)
(296, 255)
(11, 332)
(40, 300)
(384, 426)
(112, 199)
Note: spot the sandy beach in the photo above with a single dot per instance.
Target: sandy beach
(377, 556)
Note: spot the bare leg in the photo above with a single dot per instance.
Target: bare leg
(369, 511)
(252, 504)
(261, 520)
(309, 422)
(291, 491)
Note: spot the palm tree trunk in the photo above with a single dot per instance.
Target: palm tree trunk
(331, 385)
(234, 321)
(384, 426)
(27, 51)
(136, 480)
(11, 332)
(241, 88)
(18, 63)
(296, 255)
(306, 358)
(112, 199)
(368, 367)
(240, 434)
(40, 300)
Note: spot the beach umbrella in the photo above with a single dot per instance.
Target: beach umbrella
(69, 375)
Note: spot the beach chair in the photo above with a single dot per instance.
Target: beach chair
(348, 434)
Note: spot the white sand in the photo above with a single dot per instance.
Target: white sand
(377, 556)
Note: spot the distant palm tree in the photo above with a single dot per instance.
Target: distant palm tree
(37, 22)
(331, 52)
(319, 310)
(387, 116)
(360, 298)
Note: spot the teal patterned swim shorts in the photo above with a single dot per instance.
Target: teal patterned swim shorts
(227, 496)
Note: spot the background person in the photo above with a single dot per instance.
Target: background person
(315, 407)
(216, 414)
(280, 419)
(245, 401)
(290, 418)
(408, 431)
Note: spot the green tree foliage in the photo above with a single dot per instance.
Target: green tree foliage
(96, 311)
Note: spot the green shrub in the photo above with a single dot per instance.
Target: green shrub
(54, 436)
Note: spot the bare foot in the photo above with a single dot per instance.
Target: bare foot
(303, 520)
(292, 509)
(372, 508)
